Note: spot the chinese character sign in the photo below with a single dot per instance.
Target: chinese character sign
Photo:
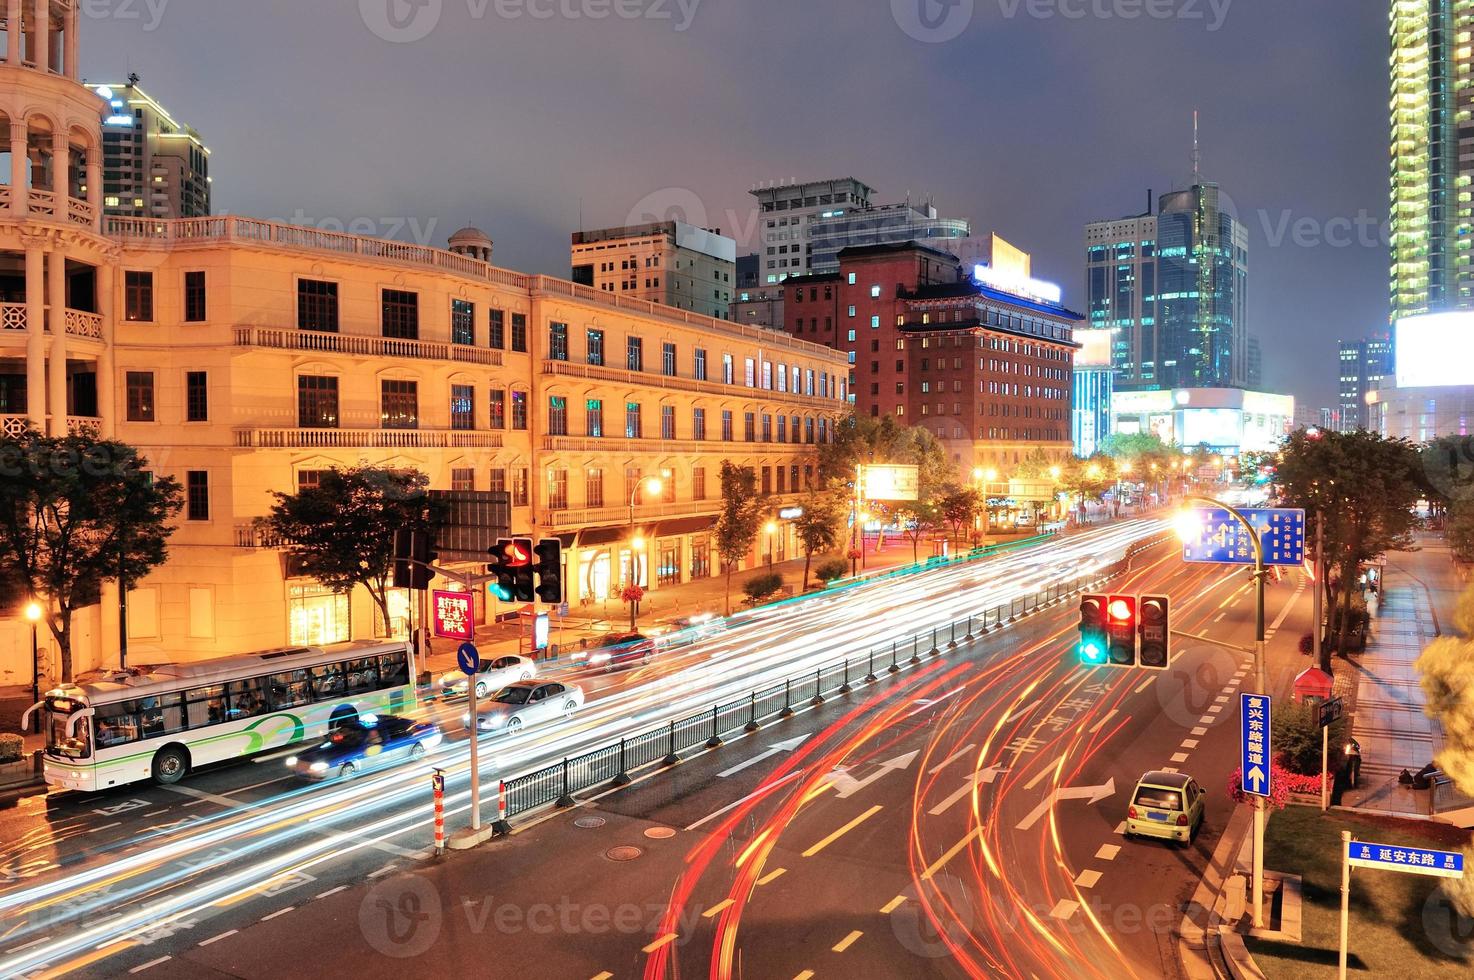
(454, 615)
(1254, 712)
(1221, 539)
(1413, 860)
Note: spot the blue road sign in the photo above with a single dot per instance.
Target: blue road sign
(1413, 860)
(1222, 540)
(1254, 716)
(469, 659)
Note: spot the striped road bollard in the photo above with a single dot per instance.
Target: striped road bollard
(437, 783)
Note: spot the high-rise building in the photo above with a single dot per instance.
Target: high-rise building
(1094, 391)
(1364, 365)
(1174, 287)
(153, 165)
(883, 224)
(668, 262)
(788, 212)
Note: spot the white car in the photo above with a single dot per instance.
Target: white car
(494, 676)
(527, 703)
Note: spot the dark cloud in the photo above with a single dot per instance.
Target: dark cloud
(1030, 124)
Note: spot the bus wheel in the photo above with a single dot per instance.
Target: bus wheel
(170, 765)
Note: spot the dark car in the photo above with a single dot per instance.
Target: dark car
(366, 742)
(617, 650)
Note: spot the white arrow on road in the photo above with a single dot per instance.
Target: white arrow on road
(1092, 793)
(1255, 778)
(981, 777)
(847, 785)
(777, 748)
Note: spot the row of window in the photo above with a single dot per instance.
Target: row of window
(807, 430)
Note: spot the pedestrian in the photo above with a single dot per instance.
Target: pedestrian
(1353, 762)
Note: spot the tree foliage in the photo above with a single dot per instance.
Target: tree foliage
(1460, 527)
(1447, 677)
(76, 512)
(918, 519)
(1089, 479)
(1365, 485)
(862, 440)
(1447, 472)
(741, 517)
(960, 507)
(341, 532)
(820, 527)
(1297, 738)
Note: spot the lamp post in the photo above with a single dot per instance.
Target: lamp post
(33, 613)
(655, 486)
(772, 530)
(1261, 682)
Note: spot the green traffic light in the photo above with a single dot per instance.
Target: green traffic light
(1092, 653)
(505, 595)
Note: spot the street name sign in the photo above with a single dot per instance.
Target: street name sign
(1255, 744)
(1222, 540)
(1413, 860)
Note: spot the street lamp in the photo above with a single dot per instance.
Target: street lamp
(655, 486)
(33, 613)
(772, 530)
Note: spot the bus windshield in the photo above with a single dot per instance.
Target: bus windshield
(79, 745)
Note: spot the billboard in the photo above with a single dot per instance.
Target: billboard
(901, 483)
(454, 615)
(1435, 350)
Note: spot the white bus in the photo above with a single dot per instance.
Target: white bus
(160, 721)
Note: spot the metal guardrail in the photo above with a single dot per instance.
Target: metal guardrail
(610, 765)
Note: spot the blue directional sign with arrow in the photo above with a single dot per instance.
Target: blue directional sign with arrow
(1254, 715)
(1222, 540)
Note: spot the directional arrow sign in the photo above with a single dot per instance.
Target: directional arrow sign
(777, 748)
(1256, 735)
(979, 778)
(1094, 794)
(847, 785)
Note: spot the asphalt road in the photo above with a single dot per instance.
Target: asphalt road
(961, 818)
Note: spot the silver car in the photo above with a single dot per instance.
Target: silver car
(494, 676)
(527, 703)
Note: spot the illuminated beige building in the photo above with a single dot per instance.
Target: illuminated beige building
(244, 357)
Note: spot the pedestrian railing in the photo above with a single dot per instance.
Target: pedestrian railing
(611, 765)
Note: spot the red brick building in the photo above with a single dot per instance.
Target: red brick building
(986, 370)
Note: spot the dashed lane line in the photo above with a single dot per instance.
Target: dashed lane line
(215, 939)
(718, 908)
(150, 964)
(951, 759)
(1180, 757)
(843, 830)
(331, 891)
(772, 876)
(1199, 732)
(660, 943)
(953, 851)
(278, 912)
(892, 905)
(1065, 909)
(1102, 723)
(847, 941)
(1087, 879)
(1189, 743)
(1107, 852)
(603, 976)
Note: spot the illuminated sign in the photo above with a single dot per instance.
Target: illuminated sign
(1095, 348)
(790, 513)
(1010, 281)
(540, 627)
(454, 616)
(890, 483)
(1435, 350)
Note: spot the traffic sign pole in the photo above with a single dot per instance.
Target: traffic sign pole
(470, 664)
(1325, 765)
(1345, 898)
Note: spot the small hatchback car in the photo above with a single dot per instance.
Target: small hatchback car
(1169, 805)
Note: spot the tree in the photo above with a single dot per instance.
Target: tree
(1035, 465)
(918, 518)
(820, 526)
(341, 531)
(1089, 479)
(1447, 678)
(740, 519)
(960, 507)
(1366, 486)
(76, 512)
(865, 440)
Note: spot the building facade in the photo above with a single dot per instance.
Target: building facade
(1121, 293)
(759, 306)
(884, 224)
(1094, 391)
(1364, 365)
(1228, 421)
(986, 370)
(247, 357)
(787, 213)
(153, 165)
(667, 262)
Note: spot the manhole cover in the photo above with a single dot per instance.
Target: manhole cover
(589, 823)
(624, 853)
(660, 833)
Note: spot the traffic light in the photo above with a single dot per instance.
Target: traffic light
(1156, 631)
(1121, 626)
(519, 557)
(549, 570)
(413, 556)
(505, 586)
(1092, 647)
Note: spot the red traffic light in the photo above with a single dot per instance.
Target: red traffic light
(519, 553)
(1122, 609)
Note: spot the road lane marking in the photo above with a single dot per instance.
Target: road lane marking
(716, 909)
(806, 975)
(1102, 723)
(1207, 720)
(952, 852)
(1199, 732)
(1168, 769)
(1108, 852)
(1121, 828)
(1219, 617)
(1145, 684)
(1221, 699)
(843, 830)
(1189, 743)
(603, 976)
(773, 875)
(228, 803)
(1180, 757)
(760, 791)
(215, 939)
(106, 826)
(33, 942)
(1215, 709)
(268, 918)
(1065, 909)
(663, 941)
(847, 941)
(951, 759)
(892, 905)
(331, 891)
(150, 964)
(383, 871)
(1087, 879)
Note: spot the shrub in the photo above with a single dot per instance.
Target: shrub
(12, 747)
(762, 587)
(1297, 739)
(834, 568)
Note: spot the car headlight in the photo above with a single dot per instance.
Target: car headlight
(291, 761)
(599, 658)
(319, 767)
(466, 718)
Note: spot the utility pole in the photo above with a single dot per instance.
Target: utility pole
(1316, 630)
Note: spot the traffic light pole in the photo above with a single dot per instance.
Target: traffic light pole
(1261, 686)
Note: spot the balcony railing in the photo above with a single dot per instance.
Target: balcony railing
(648, 513)
(42, 203)
(13, 426)
(83, 324)
(80, 212)
(584, 444)
(13, 316)
(352, 344)
(255, 536)
(84, 427)
(621, 376)
(365, 439)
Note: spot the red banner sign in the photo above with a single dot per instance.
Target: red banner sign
(454, 616)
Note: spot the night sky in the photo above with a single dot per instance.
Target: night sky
(1031, 122)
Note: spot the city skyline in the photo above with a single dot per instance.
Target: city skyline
(1309, 186)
